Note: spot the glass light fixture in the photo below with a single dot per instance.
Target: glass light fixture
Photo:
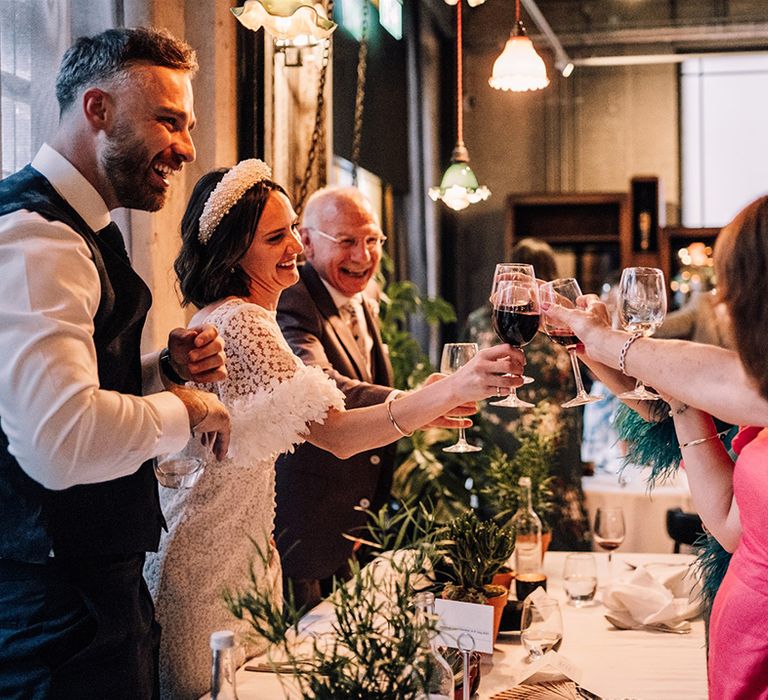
(519, 68)
(296, 23)
(472, 3)
(459, 187)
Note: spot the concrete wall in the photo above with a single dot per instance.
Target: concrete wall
(591, 132)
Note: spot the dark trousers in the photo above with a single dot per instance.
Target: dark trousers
(78, 628)
(308, 592)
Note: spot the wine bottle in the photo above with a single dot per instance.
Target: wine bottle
(527, 527)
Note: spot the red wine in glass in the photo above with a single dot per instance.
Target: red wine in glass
(563, 337)
(516, 325)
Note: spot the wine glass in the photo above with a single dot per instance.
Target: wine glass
(541, 625)
(457, 355)
(642, 307)
(516, 313)
(564, 292)
(609, 530)
(181, 470)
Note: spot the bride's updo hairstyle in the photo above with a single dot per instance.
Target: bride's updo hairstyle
(218, 228)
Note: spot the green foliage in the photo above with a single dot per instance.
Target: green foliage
(472, 552)
(400, 301)
(537, 448)
(375, 651)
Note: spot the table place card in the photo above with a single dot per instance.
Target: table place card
(551, 666)
(457, 618)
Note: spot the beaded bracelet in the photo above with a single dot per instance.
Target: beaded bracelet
(394, 422)
(623, 354)
(720, 435)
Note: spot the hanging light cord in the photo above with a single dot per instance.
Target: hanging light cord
(459, 81)
(362, 62)
(318, 131)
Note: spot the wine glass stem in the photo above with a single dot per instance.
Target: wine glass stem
(576, 372)
(462, 436)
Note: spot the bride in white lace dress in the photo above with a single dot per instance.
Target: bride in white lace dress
(239, 252)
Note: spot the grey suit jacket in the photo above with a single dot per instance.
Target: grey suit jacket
(317, 492)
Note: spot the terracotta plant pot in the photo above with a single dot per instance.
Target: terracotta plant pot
(497, 597)
(503, 578)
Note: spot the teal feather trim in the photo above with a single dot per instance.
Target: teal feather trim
(710, 566)
(652, 445)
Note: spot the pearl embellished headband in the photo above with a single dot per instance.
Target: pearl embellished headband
(235, 183)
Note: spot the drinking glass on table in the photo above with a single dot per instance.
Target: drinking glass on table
(516, 313)
(541, 624)
(609, 530)
(580, 578)
(642, 308)
(564, 292)
(456, 355)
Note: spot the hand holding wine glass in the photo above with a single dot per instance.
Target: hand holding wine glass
(456, 355)
(516, 312)
(642, 308)
(564, 292)
(610, 529)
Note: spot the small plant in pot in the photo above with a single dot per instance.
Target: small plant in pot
(472, 552)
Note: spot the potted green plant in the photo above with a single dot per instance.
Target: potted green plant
(472, 552)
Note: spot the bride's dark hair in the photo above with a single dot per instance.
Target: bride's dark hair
(212, 271)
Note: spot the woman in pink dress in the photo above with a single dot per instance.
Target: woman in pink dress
(701, 381)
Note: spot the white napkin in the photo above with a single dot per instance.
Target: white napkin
(654, 594)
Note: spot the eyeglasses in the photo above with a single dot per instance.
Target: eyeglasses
(351, 242)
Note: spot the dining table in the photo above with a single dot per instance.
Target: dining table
(637, 664)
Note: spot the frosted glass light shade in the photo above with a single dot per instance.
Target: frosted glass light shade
(299, 22)
(519, 68)
(459, 187)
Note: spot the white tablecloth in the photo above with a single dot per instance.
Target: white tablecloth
(645, 512)
(617, 664)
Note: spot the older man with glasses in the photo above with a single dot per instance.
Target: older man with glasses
(330, 320)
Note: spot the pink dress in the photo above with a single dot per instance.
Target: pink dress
(738, 639)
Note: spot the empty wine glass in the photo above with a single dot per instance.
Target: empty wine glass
(564, 292)
(642, 308)
(457, 355)
(610, 530)
(516, 313)
(541, 625)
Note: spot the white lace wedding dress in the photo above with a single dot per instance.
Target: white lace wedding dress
(271, 396)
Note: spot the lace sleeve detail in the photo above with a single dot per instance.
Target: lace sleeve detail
(270, 393)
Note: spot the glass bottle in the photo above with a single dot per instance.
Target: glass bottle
(440, 678)
(527, 532)
(223, 666)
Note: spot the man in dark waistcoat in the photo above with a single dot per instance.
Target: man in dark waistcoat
(78, 498)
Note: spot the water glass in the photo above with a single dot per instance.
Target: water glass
(541, 625)
(580, 578)
(181, 470)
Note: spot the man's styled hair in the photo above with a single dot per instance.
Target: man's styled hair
(103, 56)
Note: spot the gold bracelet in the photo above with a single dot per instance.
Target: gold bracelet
(678, 411)
(394, 422)
(721, 434)
(624, 348)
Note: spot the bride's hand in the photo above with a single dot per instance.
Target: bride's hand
(588, 321)
(492, 372)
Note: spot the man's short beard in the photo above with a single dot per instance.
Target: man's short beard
(126, 162)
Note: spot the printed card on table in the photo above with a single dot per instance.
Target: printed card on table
(457, 619)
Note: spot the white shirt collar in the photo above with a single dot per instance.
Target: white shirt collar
(69, 182)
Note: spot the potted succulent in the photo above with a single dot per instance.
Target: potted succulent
(472, 552)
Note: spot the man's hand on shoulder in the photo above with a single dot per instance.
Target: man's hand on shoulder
(197, 354)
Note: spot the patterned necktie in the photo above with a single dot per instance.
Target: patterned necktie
(111, 235)
(353, 321)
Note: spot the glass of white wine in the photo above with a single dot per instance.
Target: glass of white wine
(642, 308)
(457, 355)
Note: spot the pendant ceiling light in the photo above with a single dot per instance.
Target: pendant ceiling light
(291, 22)
(459, 187)
(519, 68)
